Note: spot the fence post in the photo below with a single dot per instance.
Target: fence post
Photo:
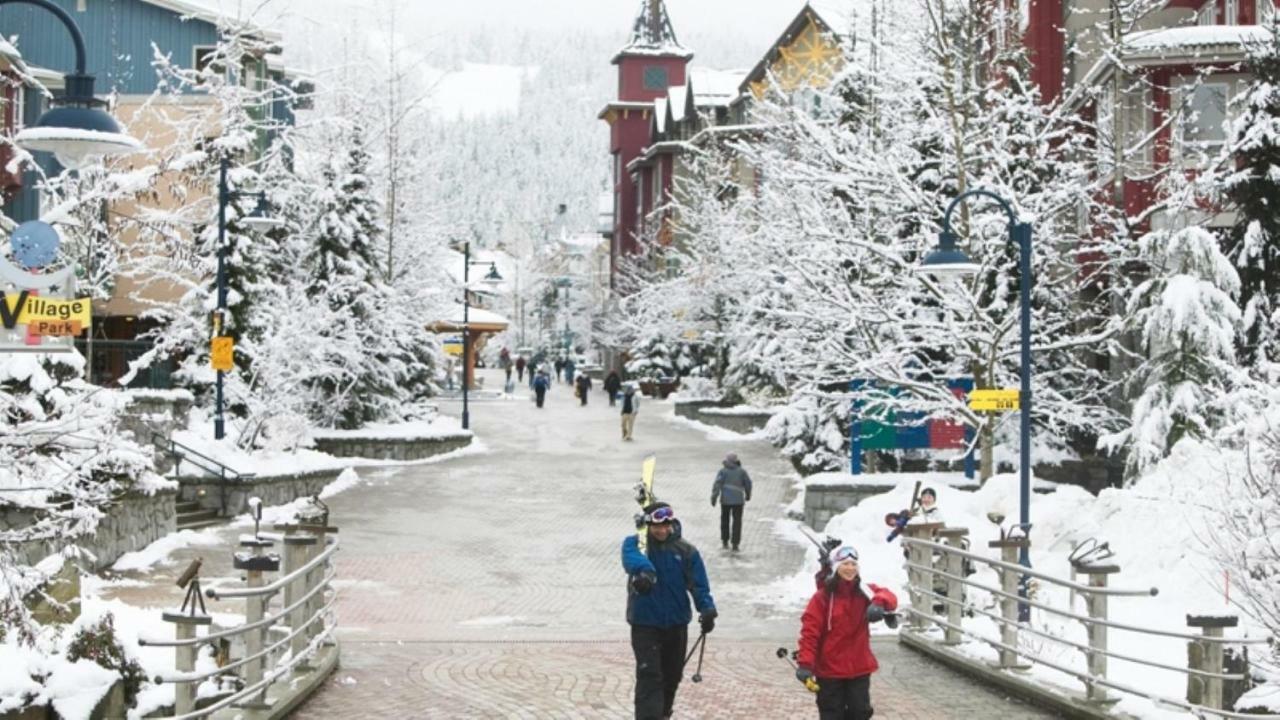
(184, 693)
(1097, 605)
(297, 552)
(1207, 656)
(919, 557)
(255, 563)
(1009, 579)
(953, 565)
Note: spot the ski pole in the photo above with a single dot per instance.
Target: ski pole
(811, 684)
(697, 676)
(694, 649)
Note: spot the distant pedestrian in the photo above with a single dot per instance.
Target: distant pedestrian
(583, 387)
(520, 363)
(612, 385)
(630, 408)
(733, 489)
(540, 385)
(570, 368)
(559, 364)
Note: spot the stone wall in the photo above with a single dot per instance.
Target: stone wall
(273, 489)
(737, 422)
(691, 409)
(400, 449)
(823, 502)
(132, 522)
(152, 413)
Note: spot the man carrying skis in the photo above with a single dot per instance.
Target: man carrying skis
(733, 489)
(659, 585)
(835, 639)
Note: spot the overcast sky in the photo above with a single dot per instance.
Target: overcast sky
(757, 22)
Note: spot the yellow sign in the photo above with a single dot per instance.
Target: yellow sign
(995, 400)
(453, 347)
(222, 352)
(55, 328)
(27, 309)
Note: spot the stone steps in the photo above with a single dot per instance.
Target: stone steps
(198, 518)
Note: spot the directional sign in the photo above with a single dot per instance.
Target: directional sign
(995, 400)
(222, 352)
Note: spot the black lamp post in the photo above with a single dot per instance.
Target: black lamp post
(947, 259)
(78, 129)
(259, 219)
(492, 277)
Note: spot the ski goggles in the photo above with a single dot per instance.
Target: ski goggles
(844, 553)
(662, 515)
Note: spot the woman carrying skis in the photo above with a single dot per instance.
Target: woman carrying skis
(835, 639)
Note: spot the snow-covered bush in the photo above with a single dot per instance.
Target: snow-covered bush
(813, 433)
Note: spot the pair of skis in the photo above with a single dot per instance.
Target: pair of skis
(898, 521)
(645, 498)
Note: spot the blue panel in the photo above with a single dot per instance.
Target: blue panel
(118, 37)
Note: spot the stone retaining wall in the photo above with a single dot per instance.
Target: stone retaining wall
(399, 449)
(691, 409)
(153, 413)
(274, 490)
(132, 522)
(823, 502)
(737, 422)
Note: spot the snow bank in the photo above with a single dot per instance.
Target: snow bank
(893, 480)
(1156, 528)
(739, 410)
(444, 426)
(260, 462)
(160, 550)
(713, 433)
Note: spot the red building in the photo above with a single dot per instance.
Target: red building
(651, 62)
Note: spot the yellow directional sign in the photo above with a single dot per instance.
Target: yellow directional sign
(222, 352)
(995, 400)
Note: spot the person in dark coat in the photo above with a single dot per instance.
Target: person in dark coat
(630, 408)
(540, 384)
(835, 639)
(570, 367)
(733, 489)
(612, 384)
(660, 583)
(559, 365)
(520, 363)
(583, 388)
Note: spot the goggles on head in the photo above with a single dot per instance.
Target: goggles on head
(662, 515)
(844, 554)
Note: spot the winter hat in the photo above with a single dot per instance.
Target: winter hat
(842, 554)
(732, 459)
(653, 509)
(930, 492)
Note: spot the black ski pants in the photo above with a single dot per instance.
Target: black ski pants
(847, 699)
(731, 515)
(659, 668)
(541, 394)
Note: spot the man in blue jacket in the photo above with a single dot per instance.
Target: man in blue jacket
(660, 583)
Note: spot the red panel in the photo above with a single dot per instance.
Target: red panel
(1047, 48)
(631, 76)
(946, 435)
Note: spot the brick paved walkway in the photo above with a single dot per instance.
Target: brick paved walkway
(490, 586)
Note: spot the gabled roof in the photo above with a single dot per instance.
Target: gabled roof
(210, 14)
(833, 16)
(715, 88)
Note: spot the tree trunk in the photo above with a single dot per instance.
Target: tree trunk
(987, 466)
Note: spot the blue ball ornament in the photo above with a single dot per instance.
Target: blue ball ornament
(35, 245)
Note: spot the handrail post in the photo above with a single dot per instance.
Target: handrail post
(1207, 656)
(1097, 604)
(919, 557)
(184, 626)
(1009, 580)
(255, 563)
(314, 579)
(953, 564)
(297, 552)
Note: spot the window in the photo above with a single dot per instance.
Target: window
(201, 55)
(655, 78)
(19, 108)
(1231, 16)
(1204, 115)
(1208, 14)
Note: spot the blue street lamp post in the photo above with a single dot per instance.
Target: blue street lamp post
(260, 219)
(491, 277)
(947, 259)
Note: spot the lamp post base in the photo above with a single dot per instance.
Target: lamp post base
(219, 429)
(466, 420)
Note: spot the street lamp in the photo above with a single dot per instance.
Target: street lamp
(948, 260)
(491, 278)
(78, 129)
(259, 220)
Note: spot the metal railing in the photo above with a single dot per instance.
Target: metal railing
(288, 621)
(182, 453)
(937, 578)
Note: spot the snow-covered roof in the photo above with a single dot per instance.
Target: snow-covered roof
(715, 87)
(660, 114)
(8, 51)
(838, 14)
(211, 14)
(652, 34)
(475, 316)
(1194, 37)
(582, 242)
(677, 97)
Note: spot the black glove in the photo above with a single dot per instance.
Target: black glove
(804, 674)
(891, 621)
(708, 621)
(643, 582)
(713, 501)
(831, 543)
(875, 613)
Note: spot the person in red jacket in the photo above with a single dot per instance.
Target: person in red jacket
(835, 639)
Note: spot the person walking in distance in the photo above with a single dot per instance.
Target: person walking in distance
(630, 408)
(570, 367)
(504, 362)
(540, 384)
(520, 363)
(612, 384)
(835, 639)
(660, 583)
(583, 387)
(559, 365)
(733, 489)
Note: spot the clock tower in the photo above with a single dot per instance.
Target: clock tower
(651, 61)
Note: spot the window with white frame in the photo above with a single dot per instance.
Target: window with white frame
(1208, 14)
(1231, 13)
(1204, 114)
(1266, 12)
(19, 108)
(1105, 130)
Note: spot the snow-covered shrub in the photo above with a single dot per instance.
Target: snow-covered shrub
(813, 433)
(99, 644)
